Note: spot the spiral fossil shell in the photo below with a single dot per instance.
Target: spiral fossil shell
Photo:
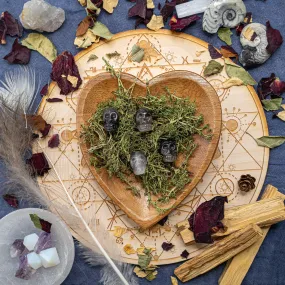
(226, 13)
(254, 49)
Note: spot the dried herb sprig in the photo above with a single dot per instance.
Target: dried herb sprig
(174, 118)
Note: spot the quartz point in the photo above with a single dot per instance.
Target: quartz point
(192, 8)
(41, 16)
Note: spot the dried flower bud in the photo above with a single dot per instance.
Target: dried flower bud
(246, 183)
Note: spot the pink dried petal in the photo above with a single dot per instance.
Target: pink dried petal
(278, 87)
(180, 24)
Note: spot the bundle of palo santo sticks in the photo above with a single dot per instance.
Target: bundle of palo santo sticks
(246, 228)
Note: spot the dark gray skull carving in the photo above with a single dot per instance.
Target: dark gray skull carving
(168, 149)
(111, 119)
(144, 120)
(138, 162)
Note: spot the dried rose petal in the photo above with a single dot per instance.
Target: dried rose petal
(139, 9)
(213, 52)
(3, 32)
(277, 87)
(19, 54)
(54, 100)
(207, 216)
(53, 141)
(184, 254)
(167, 246)
(46, 130)
(46, 226)
(167, 10)
(44, 90)
(179, 24)
(11, 200)
(163, 221)
(84, 25)
(274, 38)
(264, 86)
(63, 66)
(228, 52)
(239, 28)
(159, 6)
(38, 164)
(149, 13)
(248, 18)
(13, 26)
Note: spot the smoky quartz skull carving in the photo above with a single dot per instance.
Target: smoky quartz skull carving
(110, 119)
(168, 149)
(138, 162)
(144, 120)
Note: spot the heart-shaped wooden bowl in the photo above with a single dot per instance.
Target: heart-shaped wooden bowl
(184, 84)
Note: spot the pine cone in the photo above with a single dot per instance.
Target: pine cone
(246, 183)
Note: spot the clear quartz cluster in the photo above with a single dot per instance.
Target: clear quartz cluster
(41, 16)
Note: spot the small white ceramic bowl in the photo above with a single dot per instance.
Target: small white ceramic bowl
(17, 225)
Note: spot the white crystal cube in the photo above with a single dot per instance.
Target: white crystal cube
(34, 260)
(30, 241)
(192, 8)
(49, 257)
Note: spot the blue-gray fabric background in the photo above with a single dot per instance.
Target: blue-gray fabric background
(269, 265)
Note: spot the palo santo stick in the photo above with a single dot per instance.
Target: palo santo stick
(237, 268)
(218, 253)
(263, 213)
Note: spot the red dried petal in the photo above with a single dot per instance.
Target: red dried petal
(274, 38)
(139, 9)
(163, 221)
(54, 100)
(38, 164)
(213, 52)
(239, 28)
(44, 90)
(63, 66)
(180, 24)
(167, 246)
(13, 26)
(53, 141)
(184, 254)
(46, 226)
(149, 13)
(46, 130)
(19, 54)
(207, 216)
(3, 32)
(159, 6)
(264, 86)
(248, 18)
(167, 10)
(277, 87)
(11, 200)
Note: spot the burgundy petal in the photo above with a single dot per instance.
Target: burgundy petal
(167, 246)
(213, 52)
(274, 38)
(44, 90)
(207, 218)
(19, 54)
(167, 10)
(163, 221)
(54, 141)
(139, 9)
(159, 6)
(264, 86)
(14, 28)
(179, 24)
(38, 164)
(63, 66)
(11, 200)
(149, 13)
(248, 18)
(3, 32)
(46, 130)
(184, 254)
(54, 100)
(278, 87)
(239, 28)
(46, 226)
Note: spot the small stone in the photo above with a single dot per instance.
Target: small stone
(41, 16)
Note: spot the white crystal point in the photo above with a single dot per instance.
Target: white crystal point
(49, 257)
(40, 16)
(34, 260)
(30, 241)
(192, 8)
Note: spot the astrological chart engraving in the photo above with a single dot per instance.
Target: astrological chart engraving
(237, 152)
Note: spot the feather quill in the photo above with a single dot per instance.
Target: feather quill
(17, 97)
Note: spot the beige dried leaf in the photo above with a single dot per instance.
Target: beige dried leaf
(140, 273)
(73, 80)
(128, 248)
(234, 81)
(83, 2)
(86, 40)
(199, 52)
(174, 281)
(281, 115)
(156, 23)
(109, 5)
(248, 33)
(119, 231)
(150, 4)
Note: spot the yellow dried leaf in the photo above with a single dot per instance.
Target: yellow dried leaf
(281, 115)
(119, 231)
(140, 250)
(109, 5)
(129, 249)
(156, 23)
(283, 106)
(86, 40)
(150, 4)
(173, 280)
(198, 53)
(83, 2)
(248, 33)
(73, 80)
(140, 273)
(234, 81)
